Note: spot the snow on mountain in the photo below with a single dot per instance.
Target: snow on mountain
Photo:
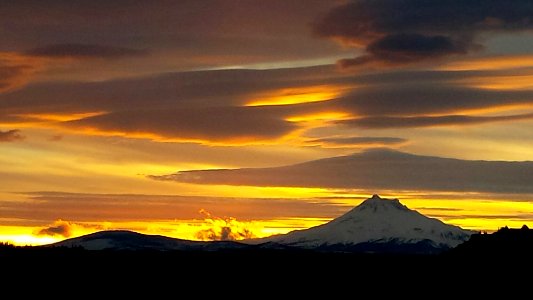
(118, 239)
(377, 221)
(128, 240)
(376, 225)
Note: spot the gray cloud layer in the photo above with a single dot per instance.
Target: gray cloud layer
(411, 122)
(84, 51)
(379, 170)
(208, 105)
(207, 32)
(406, 31)
(211, 124)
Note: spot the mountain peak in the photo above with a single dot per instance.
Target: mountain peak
(378, 204)
(378, 222)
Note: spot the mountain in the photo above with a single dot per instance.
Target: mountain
(377, 225)
(128, 240)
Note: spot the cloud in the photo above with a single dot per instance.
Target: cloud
(435, 96)
(209, 107)
(429, 121)
(59, 228)
(49, 206)
(15, 71)
(200, 106)
(341, 142)
(223, 124)
(56, 138)
(188, 33)
(409, 31)
(379, 170)
(398, 49)
(84, 51)
(10, 136)
(224, 229)
(10, 76)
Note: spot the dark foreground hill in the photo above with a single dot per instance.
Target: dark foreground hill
(500, 256)
(505, 243)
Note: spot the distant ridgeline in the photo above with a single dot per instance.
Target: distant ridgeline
(504, 242)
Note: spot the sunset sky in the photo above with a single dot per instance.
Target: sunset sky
(120, 114)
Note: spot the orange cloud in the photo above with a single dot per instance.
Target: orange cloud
(224, 229)
(65, 229)
(10, 136)
(59, 228)
(16, 70)
(297, 95)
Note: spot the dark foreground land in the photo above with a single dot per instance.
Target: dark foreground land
(497, 256)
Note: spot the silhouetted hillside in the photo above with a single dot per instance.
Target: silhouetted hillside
(505, 243)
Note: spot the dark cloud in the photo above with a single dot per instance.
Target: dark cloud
(59, 228)
(210, 32)
(84, 51)
(202, 105)
(11, 136)
(209, 105)
(225, 124)
(165, 91)
(412, 98)
(379, 170)
(357, 141)
(429, 121)
(406, 31)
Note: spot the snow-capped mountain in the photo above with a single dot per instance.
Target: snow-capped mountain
(378, 225)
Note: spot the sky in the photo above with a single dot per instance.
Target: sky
(233, 119)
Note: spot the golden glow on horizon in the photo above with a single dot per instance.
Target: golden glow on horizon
(109, 163)
(298, 95)
(183, 229)
(24, 236)
(475, 214)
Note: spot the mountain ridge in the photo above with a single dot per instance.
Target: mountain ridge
(376, 225)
